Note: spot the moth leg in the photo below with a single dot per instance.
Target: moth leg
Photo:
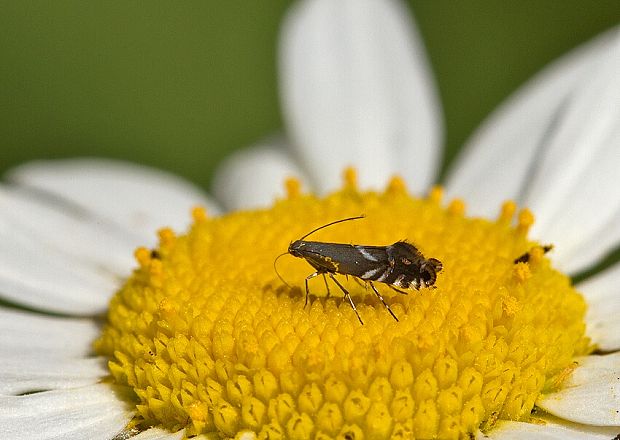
(309, 277)
(326, 285)
(397, 290)
(364, 285)
(381, 298)
(347, 296)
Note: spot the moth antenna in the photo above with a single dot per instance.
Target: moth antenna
(332, 223)
(276, 269)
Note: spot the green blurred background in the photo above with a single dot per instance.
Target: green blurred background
(178, 85)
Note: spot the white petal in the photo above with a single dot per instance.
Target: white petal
(497, 161)
(549, 428)
(135, 197)
(575, 192)
(357, 90)
(254, 177)
(591, 395)
(602, 293)
(60, 284)
(24, 333)
(158, 434)
(594, 247)
(59, 230)
(42, 371)
(90, 413)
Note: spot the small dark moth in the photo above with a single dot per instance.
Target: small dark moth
(398, 265)
(525, 258)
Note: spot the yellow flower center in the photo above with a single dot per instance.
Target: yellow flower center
(211, 340)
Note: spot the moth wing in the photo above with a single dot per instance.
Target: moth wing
(374, 254)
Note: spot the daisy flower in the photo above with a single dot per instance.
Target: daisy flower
(204, 339)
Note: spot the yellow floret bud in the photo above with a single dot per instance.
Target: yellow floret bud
(526, 220)
(508, 211)
(166, 237)
(292, 187)
(396, 186)
(456, 207)
(143, 256)
(350, 178)
(436, 194)
(199, 214)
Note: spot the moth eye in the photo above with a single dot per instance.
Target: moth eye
(429, 276)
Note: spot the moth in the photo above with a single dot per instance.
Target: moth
(400, 265)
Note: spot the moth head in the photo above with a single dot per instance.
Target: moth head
(295, 248)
